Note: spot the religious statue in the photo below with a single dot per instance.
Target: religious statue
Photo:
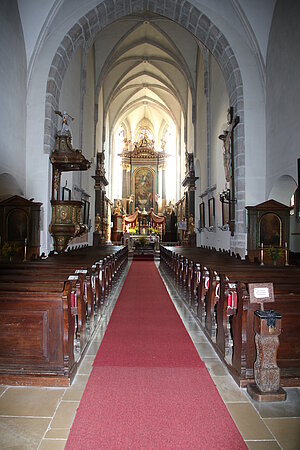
(226, 138)
(97, 223)
(118, 208)
(163, 144)
(226, 154)
(100, 163)
(189, 163)
(191, 226)
(64, 130)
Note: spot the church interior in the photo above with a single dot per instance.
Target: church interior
(149, 146)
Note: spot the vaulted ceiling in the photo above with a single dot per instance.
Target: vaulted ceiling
(146, 69)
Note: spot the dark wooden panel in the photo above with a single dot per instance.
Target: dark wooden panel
(24, 334)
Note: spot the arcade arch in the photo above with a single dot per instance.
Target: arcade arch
(83, 34)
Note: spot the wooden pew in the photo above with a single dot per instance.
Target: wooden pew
(223, 307)
(48, 314)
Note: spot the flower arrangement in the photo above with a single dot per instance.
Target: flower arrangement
(132, 231)
(142, 241)
(9, 250)
(275, 253)
(153, 231)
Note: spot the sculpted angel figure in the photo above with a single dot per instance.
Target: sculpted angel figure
(64, 130)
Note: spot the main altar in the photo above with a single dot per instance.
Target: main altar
(144, 175)
(142, 210)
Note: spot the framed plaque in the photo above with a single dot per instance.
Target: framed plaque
(211, 212)
(261, 292)
(202, 215)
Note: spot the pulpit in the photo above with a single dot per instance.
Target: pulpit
(66, 214)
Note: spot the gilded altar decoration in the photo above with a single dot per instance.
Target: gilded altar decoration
(143, 188)
(143, 172)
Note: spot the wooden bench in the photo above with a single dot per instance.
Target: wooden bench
(49, 311)
(215, 287)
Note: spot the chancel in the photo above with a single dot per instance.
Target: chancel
(149, 159)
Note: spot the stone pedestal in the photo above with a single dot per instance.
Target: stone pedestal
(267, 326)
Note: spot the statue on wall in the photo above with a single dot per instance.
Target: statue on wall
(226, 137)
(189, 164)
(100, 163)
(65, 129)
(97, 224)
(191, 225)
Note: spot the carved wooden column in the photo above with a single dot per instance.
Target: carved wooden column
(101, 182)
(189, 183)
(267, 326)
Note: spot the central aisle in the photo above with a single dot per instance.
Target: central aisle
(148, 388)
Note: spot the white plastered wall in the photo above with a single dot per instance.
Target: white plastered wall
(70, 101)
(283, 100)
(219, 103)
(13, 95)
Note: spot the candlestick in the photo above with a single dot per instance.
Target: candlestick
(286, 254)
(25, 249)
(262, 254)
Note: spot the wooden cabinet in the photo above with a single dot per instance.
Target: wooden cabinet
(268, 226)
(20, 224)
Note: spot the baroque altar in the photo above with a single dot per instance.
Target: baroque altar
(144, 178)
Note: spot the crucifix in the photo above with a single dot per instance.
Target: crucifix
(228, 160)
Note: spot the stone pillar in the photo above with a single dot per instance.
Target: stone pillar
(267, 326)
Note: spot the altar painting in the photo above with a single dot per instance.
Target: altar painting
(144, 189)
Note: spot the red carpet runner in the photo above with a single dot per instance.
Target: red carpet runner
(148, 388)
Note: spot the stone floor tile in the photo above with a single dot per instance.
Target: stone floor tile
(262, 445)
(205, 350)
(250, 425)
(75, 392)
(288, 408)
(52, 444)
(22, 432)
(215, 367)
(30, 401)
(65, 414)
(2, 390)
(57, 433)
(93, 348)
(286, 431)
(229, 390)
(86, 365)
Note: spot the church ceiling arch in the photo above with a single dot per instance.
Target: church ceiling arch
(185, 15)
(141, 103)
(154, 50)
(179, 78)
(120, 88)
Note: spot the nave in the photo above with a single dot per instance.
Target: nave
(44, 421)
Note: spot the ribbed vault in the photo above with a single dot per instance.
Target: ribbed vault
(164, 59)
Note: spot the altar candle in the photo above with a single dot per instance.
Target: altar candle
(286, 254)
(262, 254)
